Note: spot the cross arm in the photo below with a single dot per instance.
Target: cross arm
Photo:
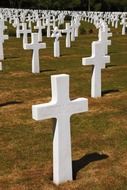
(44, 111)
(88, 61)
(64, 31)
(78, 106)
(42, 45)
(107, 59)
(6, 37)
(28, 46)
(109, 42)
(110, 34)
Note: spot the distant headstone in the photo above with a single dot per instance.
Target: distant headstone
(104, 35)
(2, 38)
(56, 34)
(39, 27)
(35, 46)
(77, 25)
(72, 31)
(48, 24)
(124, 23)
(25, 32)
(68, 37)
(98, 60)
(0, 66)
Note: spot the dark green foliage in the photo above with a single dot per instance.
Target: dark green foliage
(87, 28)
(94, 5)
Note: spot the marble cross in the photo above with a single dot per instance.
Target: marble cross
(39, 27)
(2, 38)
(0, 66)
(72, 31)
(56, 34)
(68, 32)
(61, 108)
(98, 60)
(24, 31)
(35, 46)
(104, 35)
(48, 24)
(77, 25)
(124, 23)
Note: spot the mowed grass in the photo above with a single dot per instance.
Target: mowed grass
(99, 137)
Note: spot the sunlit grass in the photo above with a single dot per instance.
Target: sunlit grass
(26, 145)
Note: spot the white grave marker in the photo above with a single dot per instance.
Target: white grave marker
(39, 27)
(0, 66)
(35, 46)
(98, 60)
(2, 38)
(24, 31)
(61, 108)
(68, 38)
(124, 23)
(104, 35)
(57, 34)
(72, 31)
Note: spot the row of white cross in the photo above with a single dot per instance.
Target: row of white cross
(99, 51)
(60, 106)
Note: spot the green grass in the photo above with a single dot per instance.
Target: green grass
(26, 145)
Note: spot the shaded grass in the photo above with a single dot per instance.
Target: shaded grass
(26, 145)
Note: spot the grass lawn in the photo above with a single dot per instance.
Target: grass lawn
(99, 137)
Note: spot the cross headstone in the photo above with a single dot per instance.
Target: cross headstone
(39, 27)
(56, 34)
(77, 25)
(124, 23)
(104, 35)
(25, 32)
(61, 108)
(35, 46)
(98, 60)
(29, 20)
(67, 31)
(2, 38)
(0, 66)
(72, 31)
(48, 24)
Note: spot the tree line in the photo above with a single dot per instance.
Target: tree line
(86, 5)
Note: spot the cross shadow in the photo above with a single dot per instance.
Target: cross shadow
(10, 103)
(12, 57)
(77, 165)
(108, 66)
(104, 92)
(46, 70)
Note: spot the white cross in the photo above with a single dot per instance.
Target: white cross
(24, 31)
(72, 31)
(2, 38)
(77, 25)
(48, 24)
(61, 108)
(67, 31)
(124, 23)
(104, 35)
(57, 34)
(98, 60)
(39, 27)
(35, 46)
(29, 20)
(0, 66)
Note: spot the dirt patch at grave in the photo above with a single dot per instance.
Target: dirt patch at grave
(20, 74)
(48, 57)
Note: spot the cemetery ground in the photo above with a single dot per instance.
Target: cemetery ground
(99, 136)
